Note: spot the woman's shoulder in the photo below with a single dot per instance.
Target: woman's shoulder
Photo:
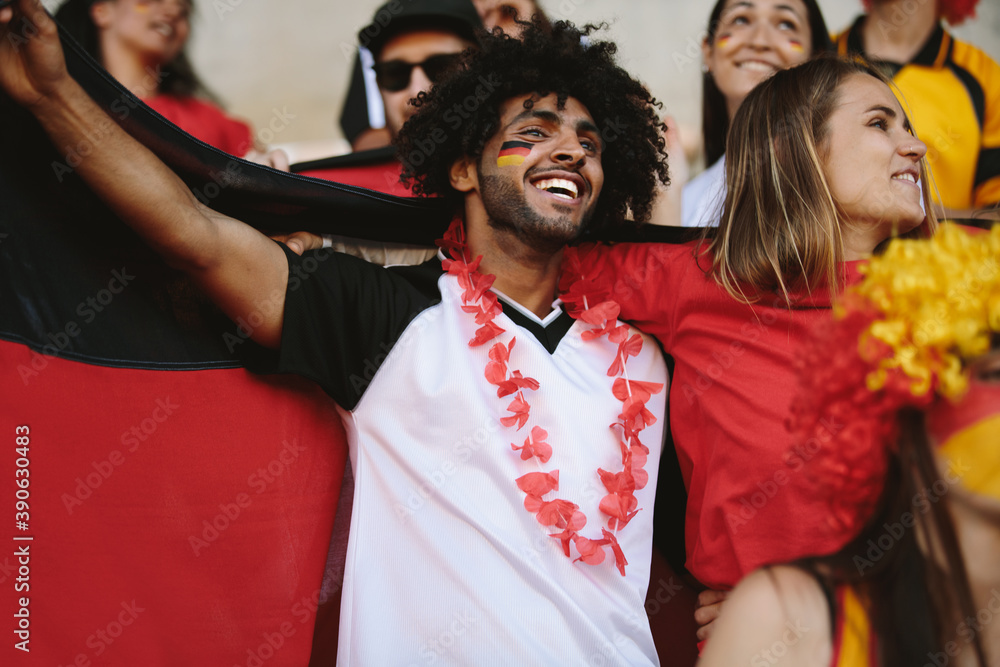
(774, 613)
(786, 590)
(646, 262)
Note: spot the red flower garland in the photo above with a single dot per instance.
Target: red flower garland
(620, 504)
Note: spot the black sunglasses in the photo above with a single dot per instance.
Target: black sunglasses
(394, 75)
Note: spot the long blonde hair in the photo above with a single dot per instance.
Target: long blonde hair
(780, 228)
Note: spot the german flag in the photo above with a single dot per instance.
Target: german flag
(512, 153)
(200, 497)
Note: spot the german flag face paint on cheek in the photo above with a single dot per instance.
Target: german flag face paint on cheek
(512, 153)
(723, 41)
(796, 46)
(968, 435)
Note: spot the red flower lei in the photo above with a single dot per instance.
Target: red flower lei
(620, 504)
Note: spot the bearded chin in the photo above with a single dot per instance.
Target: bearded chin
(509, 211)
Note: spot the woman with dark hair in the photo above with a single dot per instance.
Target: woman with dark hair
(142, 44)
(746, 42)
(822, 169)
(911, 367)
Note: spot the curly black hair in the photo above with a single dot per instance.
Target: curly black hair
(460, 114)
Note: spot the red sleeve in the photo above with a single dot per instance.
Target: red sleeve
(206, 122)
(643, 279)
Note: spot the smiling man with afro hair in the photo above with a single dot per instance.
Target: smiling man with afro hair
(458, 116)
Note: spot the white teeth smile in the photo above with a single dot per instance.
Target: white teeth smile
(905, 177)
(164, 29)
(756, 66)
(558, 187)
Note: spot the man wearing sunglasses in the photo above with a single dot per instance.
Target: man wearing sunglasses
(408, 46)
(414, 44)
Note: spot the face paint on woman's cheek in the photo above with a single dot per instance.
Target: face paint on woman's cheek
(512, 153)
(974, 455)
(796, 46)
(968, 437)
(723, 41)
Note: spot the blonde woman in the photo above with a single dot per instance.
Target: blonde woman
(821, 170)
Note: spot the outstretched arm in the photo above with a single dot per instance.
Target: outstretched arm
(239, 268)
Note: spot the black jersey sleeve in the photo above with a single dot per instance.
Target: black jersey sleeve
(342, 317)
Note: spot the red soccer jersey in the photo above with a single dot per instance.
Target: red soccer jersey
(730, 394)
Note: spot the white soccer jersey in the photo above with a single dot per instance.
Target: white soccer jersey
(445, 566)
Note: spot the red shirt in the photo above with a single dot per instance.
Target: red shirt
(729, 397)
(205, 121)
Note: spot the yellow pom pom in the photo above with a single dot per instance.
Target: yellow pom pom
(940, 305)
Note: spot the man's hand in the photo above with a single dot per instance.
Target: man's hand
(709, 608)
(32, 67)
(299, 242)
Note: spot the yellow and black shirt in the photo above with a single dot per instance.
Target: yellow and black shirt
(854, 643)
(951, 92)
